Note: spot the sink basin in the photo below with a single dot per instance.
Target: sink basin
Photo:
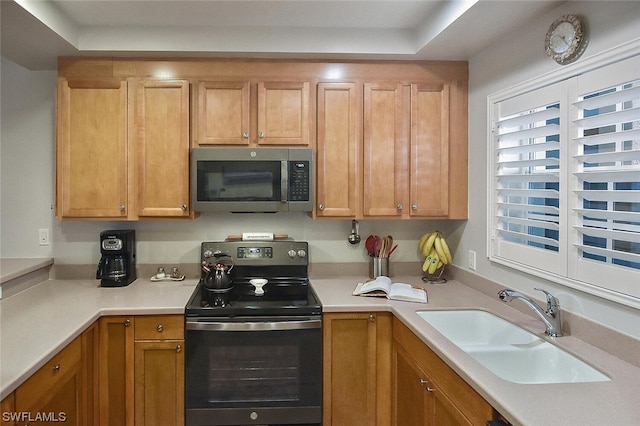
(509, 351)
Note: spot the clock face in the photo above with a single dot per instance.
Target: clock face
(565, 40)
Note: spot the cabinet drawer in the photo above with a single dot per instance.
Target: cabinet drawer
(48, 375)
(158, 327)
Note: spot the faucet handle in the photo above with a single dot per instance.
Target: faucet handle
(552, 301)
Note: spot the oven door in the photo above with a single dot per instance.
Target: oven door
(252, 371)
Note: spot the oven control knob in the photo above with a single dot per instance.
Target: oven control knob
(253, 415)
(302, 253)
(207, 254)
(292, 253)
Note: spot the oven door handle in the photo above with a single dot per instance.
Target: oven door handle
(253, 326)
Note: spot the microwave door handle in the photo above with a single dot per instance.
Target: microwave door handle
(284, 181)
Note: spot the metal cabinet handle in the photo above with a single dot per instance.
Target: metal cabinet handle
(121, 207)
(423, 382)
(56, 368)
(399, 206)
(245, 135)
(261, 135)
(184, 207)
(372, 318)
(178, 348)
(127, 322)
(159, 328)
(429, 389)
(321, 207)
(414, 206)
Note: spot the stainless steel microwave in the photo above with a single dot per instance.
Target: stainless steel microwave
(252, 179)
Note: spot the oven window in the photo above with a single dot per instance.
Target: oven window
(238, 180)
(239, 374)
(253, 368)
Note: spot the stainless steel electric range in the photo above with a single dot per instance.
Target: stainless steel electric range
(254, 352)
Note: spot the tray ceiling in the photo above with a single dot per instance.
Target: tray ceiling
(36, 32)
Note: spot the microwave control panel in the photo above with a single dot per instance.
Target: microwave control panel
(299, 181)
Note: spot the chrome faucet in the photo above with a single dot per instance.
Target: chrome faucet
(551, 317)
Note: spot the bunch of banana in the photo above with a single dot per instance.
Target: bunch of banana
(435, 250)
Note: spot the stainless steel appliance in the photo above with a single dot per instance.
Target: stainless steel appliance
(252, 179)
(254, 351)
(117, 266)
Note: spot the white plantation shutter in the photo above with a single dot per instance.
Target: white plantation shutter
(527, 182)
(565, 179)
(607, 178)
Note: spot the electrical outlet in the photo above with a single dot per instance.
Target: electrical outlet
(472, 260)
(43, 237)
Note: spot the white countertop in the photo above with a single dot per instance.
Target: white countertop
(616, 402)
(35, 324)
(11, 268)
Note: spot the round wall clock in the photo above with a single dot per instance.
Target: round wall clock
(566, 40)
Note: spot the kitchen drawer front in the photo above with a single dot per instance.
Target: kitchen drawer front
(159, 327)
(48, 375)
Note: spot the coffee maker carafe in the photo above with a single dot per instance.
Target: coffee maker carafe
(117, 267)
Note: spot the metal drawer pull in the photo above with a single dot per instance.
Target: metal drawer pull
(159, 328)
(178, 348)
(127, 322)
(56, 368)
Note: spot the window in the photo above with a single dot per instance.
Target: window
(565, 181)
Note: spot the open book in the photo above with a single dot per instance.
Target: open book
(384, 287)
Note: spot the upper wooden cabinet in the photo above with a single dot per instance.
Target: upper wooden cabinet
(223, 117)
(410, 160)
(385, 150)
(283, 113)
(390, 137)
(162, 142)
(92, 153)
(227, 110)
(429, 156)
(123, 149)
(339, 150)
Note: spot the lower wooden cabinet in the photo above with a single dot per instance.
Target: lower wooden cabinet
(8, 408)
(54, 394)
(426, 391)
(159, 370)
(357, 368)
(116, 370)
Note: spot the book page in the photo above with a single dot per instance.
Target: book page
(381, 283)
(406, 292)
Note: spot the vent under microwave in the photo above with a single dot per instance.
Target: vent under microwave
(265, 180)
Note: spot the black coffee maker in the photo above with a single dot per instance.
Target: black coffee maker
(117, 267)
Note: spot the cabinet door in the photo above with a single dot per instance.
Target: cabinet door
(91, 375)
(92, 149)
(283, 113)
(429, 150)
(385, 150)
(339, 169)
(451, 401)
(410, 399)
(8, 406)
(116, 370)
(54, 392)
(356, 371)
(162, 140)
(223, 117)
(159, 382)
